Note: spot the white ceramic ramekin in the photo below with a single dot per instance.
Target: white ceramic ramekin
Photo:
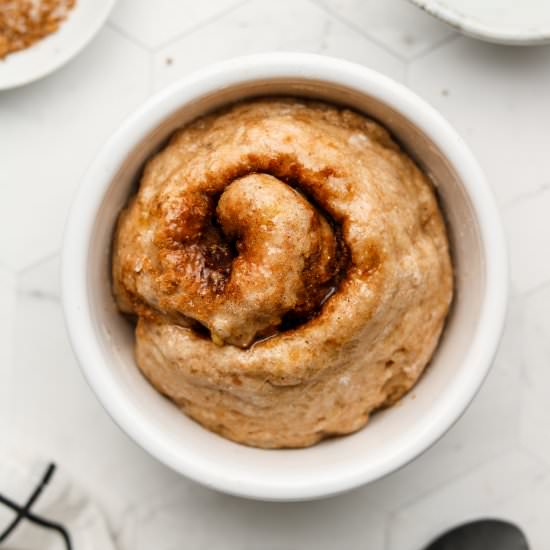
(103, 340)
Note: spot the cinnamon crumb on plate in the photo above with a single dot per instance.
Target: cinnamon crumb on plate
(24, 22)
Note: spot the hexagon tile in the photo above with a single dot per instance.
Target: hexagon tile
(266, 26)
(51, 131)
(535, 413)
(527, 224)
(396, 24)
(347, 522)
(47, 382)
(492, 490)
(497, 98)
(7, 312)
(167, 20)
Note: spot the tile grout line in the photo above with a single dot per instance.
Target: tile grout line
(366, 34)
(7, 404)
(435, 46)
(522, 197)
(543, 463)
(325, 32)
(497, 500)
(135, 41)
(407, 74)
(443, 42)
(151, 88)
(36, 263)
(322, 6)
(537, 288)
(388, 519)
(200, 25)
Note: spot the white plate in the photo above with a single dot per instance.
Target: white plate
(519, 22)
(47, 55)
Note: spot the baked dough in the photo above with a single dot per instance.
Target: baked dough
(288, 267)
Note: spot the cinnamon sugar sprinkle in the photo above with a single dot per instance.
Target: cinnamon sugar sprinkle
(24, 22)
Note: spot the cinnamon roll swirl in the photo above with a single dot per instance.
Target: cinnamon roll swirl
(288, 268)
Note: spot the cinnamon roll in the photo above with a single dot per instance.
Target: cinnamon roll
(288, 268)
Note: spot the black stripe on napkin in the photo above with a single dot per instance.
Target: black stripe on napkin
(24, 512)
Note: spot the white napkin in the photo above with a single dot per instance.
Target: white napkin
(70, 520)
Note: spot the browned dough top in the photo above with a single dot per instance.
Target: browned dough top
(289, 242)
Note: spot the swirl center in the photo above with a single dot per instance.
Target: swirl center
(286, 258)
(262, 259)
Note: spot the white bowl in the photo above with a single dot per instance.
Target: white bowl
(53, 51)
(104, 341)
(513, 22)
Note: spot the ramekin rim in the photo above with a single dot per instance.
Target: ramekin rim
(282, 65)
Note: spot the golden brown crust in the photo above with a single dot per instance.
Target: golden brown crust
(279, 213)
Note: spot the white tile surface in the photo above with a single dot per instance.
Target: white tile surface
(7, 314)
(535, 418)
(527, 224)
(347, 522)
(258, 26)
(158, 22)
(396, 24)
(529, 506)
(493, 462)
(56, 410)
(476, 495)
(50, 132)
(497, 97)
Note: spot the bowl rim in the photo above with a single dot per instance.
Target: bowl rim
(97, 180)
(475, 28)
